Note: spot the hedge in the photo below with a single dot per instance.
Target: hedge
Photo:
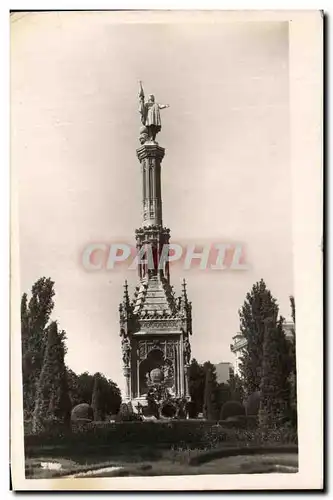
(178, 434)
(232, 409)
(164, 431)
(141, 433)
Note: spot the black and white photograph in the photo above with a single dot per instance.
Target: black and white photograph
(166, 234)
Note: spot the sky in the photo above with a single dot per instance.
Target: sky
(225, 176)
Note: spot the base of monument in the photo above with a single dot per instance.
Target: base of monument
(137, 402)
(150, 142)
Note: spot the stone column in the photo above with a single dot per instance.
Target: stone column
(187, 393)
(127, 373)
(138, 376)
(181, 366)
(150, 156)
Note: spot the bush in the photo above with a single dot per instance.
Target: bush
(232, 409)
(28, 426)
(190, 433)
(191, 408)
(121, 437)
(51, 427)
(125, 412)
(169, 410)
(81, 412)
(237, 422)
(80, 424)
(127, 417)
(252, 421)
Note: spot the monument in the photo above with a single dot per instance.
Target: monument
(155, 325)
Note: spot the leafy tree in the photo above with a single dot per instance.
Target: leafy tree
(97, 399)
(106, 397)
(232, 390)
(85, 386)
(274, 385)
(236, 389)
(197, 387)
(114, 398)
(73, 387)
(81, 391)
(293, 368)
(223, 394)
(52, 397)
(196, 382)
(252, 404)
(35, 315)
(111, 396)
(24, 325)
(232, 409)
(258, 306)
(210, 407)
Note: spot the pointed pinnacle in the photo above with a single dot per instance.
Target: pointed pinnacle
(126, 291)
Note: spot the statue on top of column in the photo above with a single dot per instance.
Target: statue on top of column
(150, 117)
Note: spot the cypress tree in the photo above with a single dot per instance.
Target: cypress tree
(35, 315)
(274, 385)
(210, 403)
(293, 368)
(52, 397)
(258, 306)
(97, 398)
(196, 382)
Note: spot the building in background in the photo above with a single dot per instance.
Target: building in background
(239, 343)
(224, 371)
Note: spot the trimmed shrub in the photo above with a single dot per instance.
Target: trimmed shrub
(191, 408)
(126, 414)
(159, 433)
(232, 409)
(109, 438)
(252, 421)
(125, 411)
(130, 417)
(50, 427)
(237, 422)
(169, 410)
(80, 424)
(81, 412)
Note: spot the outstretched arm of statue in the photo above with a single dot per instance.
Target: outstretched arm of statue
(162, 106)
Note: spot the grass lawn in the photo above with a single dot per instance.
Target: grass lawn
(166, 464)
(34, 470)
(254, 464)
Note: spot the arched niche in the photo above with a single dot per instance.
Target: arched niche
(155, 359)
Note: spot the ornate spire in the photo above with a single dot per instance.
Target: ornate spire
(126, 299)
(184, 291)
(125, 308)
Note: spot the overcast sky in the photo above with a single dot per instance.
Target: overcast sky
(225, 176)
